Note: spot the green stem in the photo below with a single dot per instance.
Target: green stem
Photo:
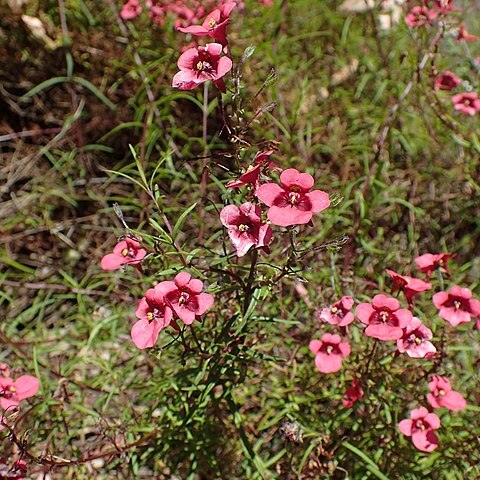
(251, 278)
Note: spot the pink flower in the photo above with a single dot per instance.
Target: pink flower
(420, 16)
(415, 340)
(131, 10)
(467, 103)
(446, 81)
(457, 306)
(442, 395)
(384, 318)
(157, 14)
(13, 392)
(215, 25)
(252, 175)
(429, 262)
(408, 285)
(339, 313)
(291, 202)
(245, 227)
(420, 427)
(329, 352)
(464, 35)
(198, 65)
(353, 393)
(185, 15)
(154, 315)
(126, 252)
(184, 295)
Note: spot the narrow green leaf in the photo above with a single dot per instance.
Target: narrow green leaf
(182, 219)
(371, 465)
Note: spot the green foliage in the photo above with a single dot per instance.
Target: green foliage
(208, 401)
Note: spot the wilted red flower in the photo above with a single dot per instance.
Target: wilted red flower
(415, 340)
(252, 175)
(126, 252)
(467, 103)
(154, 315)
(14, 472)
(13, 392)
(442, 395)
(245, 227)
(4, 370)
(447, 81)
(464, 35)
(408, 285)
(215, 25)
(131, 10)
(198, 65)
(457, 306)
(339, 313)
(353, 393)
(291, 202)
(420, 16)
(444, 6)
(329, 352)
(384, 318)
(185, 297)
(420, 427)
(429, 262)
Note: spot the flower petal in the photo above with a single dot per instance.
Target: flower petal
(112, 261)
(145, 334)
(328, 363)
(287, 216)
(27, 386)
(268, 192)
(320, 200)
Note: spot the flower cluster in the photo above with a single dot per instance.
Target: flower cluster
(184, 12)
(330, 350)
(424, 15)
(422, 424)
(386, 320)
(182, 299)
(293, 202)
(200, 64)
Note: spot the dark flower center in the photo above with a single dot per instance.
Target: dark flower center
(154, 314)
(415, 338)
(8, 392)
(128, 252)
(420, 424)
(204, 66)
(183, 298)
(457, 303)
(294, 197)
(339, 311)
(385, 317)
